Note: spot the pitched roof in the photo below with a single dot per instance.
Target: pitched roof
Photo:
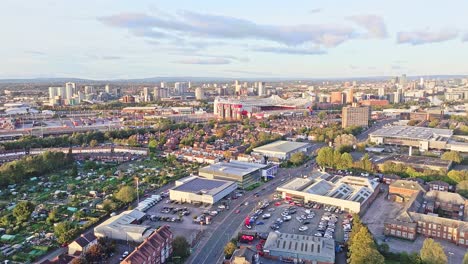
(410, 185)
(149, 246)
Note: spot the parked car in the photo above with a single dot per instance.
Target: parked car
(303, 228)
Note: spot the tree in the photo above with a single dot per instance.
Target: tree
(458, 176)
(229, 249)
(363, 249)
(180, 247)
(365, 163)
(52, 217)
(413, 122)
(452, 156)
(152, 145)
(64, 231)
(433, 123)
(432, 252)
(465, 258)
(325, 157)
(322, 115)
(93, 143)
(345, 140)
(22, 211)
(346, 161)
(297, 158)
(126, 194)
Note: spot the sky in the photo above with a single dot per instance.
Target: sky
(124, 39)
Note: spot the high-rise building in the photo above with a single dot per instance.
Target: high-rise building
(199, 93)
(350, 96)
(403, 81)
(88, 89)
(163, 85)
(156, 93)
(381, 92)
(107, 89)
(261, 89)
(53, 92)
(69, 90)
(146, 95)
(398, 98)
(355, 116)
(336, 97)
(237, 87)
(180, 88)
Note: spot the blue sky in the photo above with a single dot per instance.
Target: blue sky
(110, 39)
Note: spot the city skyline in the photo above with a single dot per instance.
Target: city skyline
(126, 40)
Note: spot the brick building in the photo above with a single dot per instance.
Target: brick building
(403, 190)
(155, 249)
(436, 214)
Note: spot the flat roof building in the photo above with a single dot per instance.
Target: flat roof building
(281, 149)
(350, 193)
(195, 189)
(424, 138)
(299, 248)
(244, 173)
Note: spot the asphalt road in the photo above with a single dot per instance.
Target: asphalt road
(210, 249)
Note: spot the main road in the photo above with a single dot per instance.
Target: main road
(210, 249)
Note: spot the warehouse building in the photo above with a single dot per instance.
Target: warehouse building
(423, 138)
(125, 226)
(244, 173)
(300, 248)
(281, 150)
(350, 193)
(195, 189)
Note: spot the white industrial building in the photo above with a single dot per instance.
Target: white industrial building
(195, 189)
(281, 149)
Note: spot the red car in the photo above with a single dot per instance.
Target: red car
(277, 204)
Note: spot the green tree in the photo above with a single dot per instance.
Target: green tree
(465, 258)
(229, 249)
(432, 252)
(413, 122)
(346, 161)
(64, 231)
(52, 217)
(22, 211)
(365, 163)
(325, 157)
(458, 176)
(298, 158)
(363, 249)
(5, 221)
(452, 156)
(180, 247)
(322, 115)
(433, 123)
(152, 145)
(93, 143)
(126, 194)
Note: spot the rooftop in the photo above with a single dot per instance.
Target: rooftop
(321, 249)
(281, 146)
(412, 132)
(194, 184)
(410, 185)
(233, 168)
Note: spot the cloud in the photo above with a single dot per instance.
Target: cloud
(35, 52)
(425, 37)
(111, 57)
(204, 61)
(252, 72)
(292, 51)
(374, 25)
(223, 27)
(396, 67)
(315, 10)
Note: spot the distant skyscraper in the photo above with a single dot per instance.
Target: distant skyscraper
(261, 89)
(237, 87)
(157, 93)
(88, 89)
(403, 81)
(69, 90)
(421, 82)
(163, 85)
(381, 92)
(146, 95)
(350, 96)
(398, 98)
(189, 85)
(108, 89)
(199, 93)
(53, 92)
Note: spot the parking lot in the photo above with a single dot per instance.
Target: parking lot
(284, 217)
